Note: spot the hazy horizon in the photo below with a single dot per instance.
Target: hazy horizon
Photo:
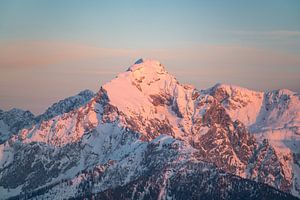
(50, 50)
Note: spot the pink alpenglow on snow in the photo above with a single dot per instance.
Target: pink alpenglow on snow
(146, 128)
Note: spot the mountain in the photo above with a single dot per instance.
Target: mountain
(273, 116)
(14, 120)
(66, 105)
(144, 135)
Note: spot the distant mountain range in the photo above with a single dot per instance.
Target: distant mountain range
(144, 135)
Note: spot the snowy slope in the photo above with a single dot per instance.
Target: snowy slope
(273, 115)
(14, 120)
(240, 103)
(141, 123)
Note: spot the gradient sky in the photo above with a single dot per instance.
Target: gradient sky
(51, 49)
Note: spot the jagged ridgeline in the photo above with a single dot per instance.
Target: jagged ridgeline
(144, 135)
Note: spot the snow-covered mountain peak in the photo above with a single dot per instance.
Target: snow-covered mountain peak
(86, 93)
(132, 90)
(67, 105)
(240, 103)
(233, 90)
(145, 63)
(147, 67)
(141, 60)
(145, 122)
(284, 91)
(16, 111)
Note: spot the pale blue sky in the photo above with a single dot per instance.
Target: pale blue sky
(149, 24)
(68, 45)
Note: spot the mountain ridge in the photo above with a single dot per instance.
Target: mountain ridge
(128, 116)
(24, 119)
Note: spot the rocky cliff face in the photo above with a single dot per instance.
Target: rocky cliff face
(145, 131)
(273, 118)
